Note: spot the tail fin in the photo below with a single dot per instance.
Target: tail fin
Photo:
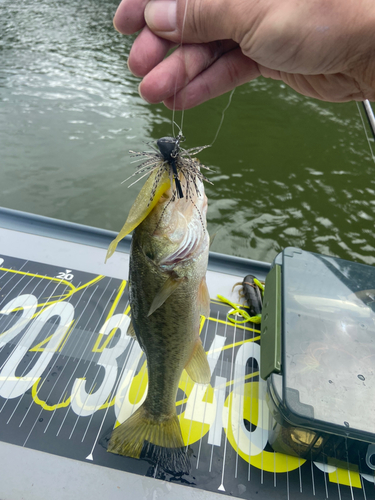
(141, 436)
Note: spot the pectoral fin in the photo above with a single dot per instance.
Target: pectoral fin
(204, 298)
(166, 291)
(141, 207)
(197, 367)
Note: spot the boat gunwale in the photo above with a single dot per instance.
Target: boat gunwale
(49, 227)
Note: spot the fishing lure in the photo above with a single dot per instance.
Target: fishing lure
(177, 161)
(252, 291)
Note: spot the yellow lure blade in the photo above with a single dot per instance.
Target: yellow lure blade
(141, 207)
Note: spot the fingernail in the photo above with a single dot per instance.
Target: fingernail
(127, 63)
(140, 93)
(161, 15)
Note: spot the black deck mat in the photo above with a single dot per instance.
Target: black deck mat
(68, 370)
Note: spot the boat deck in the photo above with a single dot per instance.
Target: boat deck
(68, 372)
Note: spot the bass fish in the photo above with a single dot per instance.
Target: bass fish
(168, 293)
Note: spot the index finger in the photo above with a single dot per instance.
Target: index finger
(129, 16)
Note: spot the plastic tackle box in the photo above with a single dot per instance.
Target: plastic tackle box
(318, 357)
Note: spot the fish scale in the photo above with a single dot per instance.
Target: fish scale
(168, 264)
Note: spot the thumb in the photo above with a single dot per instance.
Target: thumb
(195, 21)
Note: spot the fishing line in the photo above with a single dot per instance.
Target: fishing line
(178, 72)
(369, 140)
(222, 116)
(175, 90)
(170, 157)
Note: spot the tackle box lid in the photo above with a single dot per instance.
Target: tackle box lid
(328, 343)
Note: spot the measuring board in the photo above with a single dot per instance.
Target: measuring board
(68, 372)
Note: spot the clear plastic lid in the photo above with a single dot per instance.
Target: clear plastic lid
(328, 342)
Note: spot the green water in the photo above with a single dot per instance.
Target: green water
(287, 170)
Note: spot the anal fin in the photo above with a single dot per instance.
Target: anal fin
(197, 367)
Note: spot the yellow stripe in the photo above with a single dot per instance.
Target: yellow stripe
(221, 303)
(201, 324)
(96, 347)
(67, 335)
(238, 327)
(43, 404)
(89, 283)
(38, 347)
(37, 276)
(229, 346)
(228, 384)
(117, 299)
(63, 404)
(108, 403)
(62, 296)
(69, 294)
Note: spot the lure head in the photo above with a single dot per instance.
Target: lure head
(167, 146)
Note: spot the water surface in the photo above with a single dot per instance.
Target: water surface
(288, 170)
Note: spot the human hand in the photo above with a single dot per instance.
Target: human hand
(321, 48)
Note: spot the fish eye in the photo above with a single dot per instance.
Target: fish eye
(148, 250)
(150, 254)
